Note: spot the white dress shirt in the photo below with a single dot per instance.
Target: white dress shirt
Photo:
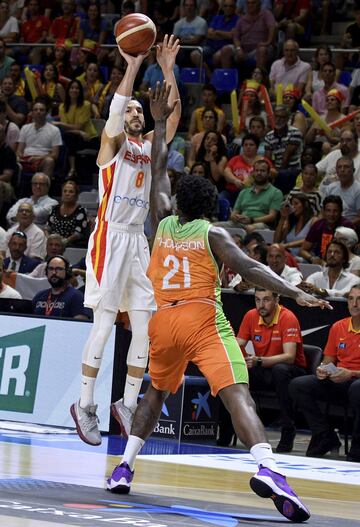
(342, 285)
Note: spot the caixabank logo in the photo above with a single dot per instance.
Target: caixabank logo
(20, 358)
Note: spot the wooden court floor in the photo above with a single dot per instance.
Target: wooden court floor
(38, 476)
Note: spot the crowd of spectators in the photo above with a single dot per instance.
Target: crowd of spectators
(277, 167)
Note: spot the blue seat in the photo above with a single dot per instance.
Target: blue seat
(225, 80)
(192, 75)
(223, 209)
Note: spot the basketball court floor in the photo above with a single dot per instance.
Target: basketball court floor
(51, 479)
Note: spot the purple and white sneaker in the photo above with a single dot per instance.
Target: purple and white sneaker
(120, 479)
(269, 484)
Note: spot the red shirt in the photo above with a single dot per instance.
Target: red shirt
(32, 30)
(343, 345)
(241, 170)
(268, 340)
(65, 27)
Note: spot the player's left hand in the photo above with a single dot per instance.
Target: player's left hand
(160, 109)
(166, 52)
(304, 299)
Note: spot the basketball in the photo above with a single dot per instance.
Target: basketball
(135, 33)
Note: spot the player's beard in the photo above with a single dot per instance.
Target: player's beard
(134, 131)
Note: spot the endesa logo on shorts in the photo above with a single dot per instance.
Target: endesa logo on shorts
(131, 202)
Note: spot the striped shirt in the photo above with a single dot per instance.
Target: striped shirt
(277, 144)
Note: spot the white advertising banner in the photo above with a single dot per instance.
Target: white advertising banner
(40, 370)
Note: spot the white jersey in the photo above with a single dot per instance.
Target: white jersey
(124, 185)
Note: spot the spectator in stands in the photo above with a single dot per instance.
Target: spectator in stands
(92, 86)
(16, 7)
(275, 334)
(93, 26)
(276, 260)
(8, 165)
(40, 200)
(253, 37)
(54, 247)
(208, 97)
(328, 73)
(322, 231)
(16, 106)
(69, 219)
(292, 17)
(250, 105)
(9, 26)
(334, 280)
(61, 58)
(18, 261)
(256, 207)
(21, 86)
(292, 99)
(349, 148)
(209, 120)
(62, 300)
(52, 88)
(6, 198)
(36, 239)
(75, 122)
(163, 18)
(212, 152)
(334, 384)
(347, 188)
(191, 29)
(290, 69)
(66, 25)
(220, 33)
(308, 187)
(296, 218)
(39, 143)
(349, 238)
(351, 38)
(107, 93)
(34, 30)
(257, 127)
(5, 290)
(11, 130)
(5, 60)
(283, 146)
(238, 170)
(315, 135)
(315, 81)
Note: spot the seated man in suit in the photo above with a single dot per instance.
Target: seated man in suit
(18, 261)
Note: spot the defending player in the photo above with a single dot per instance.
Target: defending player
(190, 324)
(118, 253)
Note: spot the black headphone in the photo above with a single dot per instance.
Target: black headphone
(68, 270)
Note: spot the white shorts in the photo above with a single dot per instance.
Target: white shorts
(116, 265)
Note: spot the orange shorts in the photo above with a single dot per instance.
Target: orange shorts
(198, 332)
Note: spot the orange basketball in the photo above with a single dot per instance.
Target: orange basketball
(135, 33)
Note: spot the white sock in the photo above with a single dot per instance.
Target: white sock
(87, 391)
(131, 392)
(133, 447)
(263, 455)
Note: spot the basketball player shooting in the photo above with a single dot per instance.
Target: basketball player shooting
(118, 252)
(190, 324)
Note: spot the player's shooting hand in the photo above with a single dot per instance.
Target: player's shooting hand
(166, 52)
(160, 109)
(306, 300)
(133, 62)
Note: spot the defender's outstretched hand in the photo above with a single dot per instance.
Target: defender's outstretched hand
(160, 109)
(167, 51)
(304, 299)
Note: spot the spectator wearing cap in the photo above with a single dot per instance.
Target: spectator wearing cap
(61, 58)
(347, 188)
(18, 261)
(328, 73)
(66, 25)
(40, 200)
(291, 99)
(349, 238)
(36, 239)
(334, 99)
(249, 104)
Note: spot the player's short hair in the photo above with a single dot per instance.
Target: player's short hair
(196, 197)
(262, 289)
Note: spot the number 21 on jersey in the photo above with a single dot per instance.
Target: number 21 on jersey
(179, 273)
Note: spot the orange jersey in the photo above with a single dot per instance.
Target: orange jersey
(343, 345)
(182, 266)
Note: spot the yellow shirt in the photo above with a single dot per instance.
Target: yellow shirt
(79, 115)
